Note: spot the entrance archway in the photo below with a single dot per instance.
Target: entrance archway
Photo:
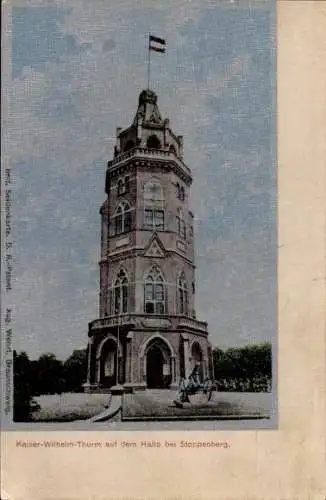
(158, 364)
(154, 367)
(107, 359)
(109, 364)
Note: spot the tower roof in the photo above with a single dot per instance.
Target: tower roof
(147, 111)
(149, 131)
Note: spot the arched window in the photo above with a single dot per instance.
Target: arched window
(129, 145)
(182, 295)
(123, 186)
(153, 142)
(181, 226)
(122, 218)
(120, 295)
(127, 179)
(172, 149)
(154, 292)
(180, 192)
(153, 206)
(120, 187)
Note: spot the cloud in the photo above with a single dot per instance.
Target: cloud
(37, 39)
(108, 45)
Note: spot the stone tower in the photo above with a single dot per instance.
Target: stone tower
(147, 334)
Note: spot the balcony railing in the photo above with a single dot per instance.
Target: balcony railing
(149, 320)
(143, 153)
(193, 324)
(110, 321)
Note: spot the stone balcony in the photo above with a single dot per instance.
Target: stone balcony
(146, 154)
(148, 321)
(192, 324)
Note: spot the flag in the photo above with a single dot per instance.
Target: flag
(157, 44)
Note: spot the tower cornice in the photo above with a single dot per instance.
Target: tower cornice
(117, 255)
(150, 158)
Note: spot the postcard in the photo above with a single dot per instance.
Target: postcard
(163, 248)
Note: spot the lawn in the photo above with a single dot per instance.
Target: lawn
(68, 407)
(159, 404)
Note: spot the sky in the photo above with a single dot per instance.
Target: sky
(77, 71)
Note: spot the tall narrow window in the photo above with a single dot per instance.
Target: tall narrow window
(121, 293)
(182, 295)
(180, 192)
(154, 219)
(120, 187)
(153, 206)
(127, 184)
(181, 226)
(122, 218)
(123, 186)
(154, 292)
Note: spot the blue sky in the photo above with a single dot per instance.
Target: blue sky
(77, 73)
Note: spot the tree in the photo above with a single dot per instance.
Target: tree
(22, 387)
(50, 376)
(244, 369)
(75, 370)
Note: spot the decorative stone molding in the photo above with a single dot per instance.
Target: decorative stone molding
(181, 245)
(155, 248)
(122, 242)
(152, 156)
(156, 336)
(156, 323)
(104, 340)
(193, 324)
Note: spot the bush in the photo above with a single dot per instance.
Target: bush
(246, 369)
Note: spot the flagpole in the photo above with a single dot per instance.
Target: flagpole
(149, 63)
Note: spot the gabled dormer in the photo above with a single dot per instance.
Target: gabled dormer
(155, 248)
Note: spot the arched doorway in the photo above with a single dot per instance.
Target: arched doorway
(154, 367)
(108, 364)
(158, 364)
